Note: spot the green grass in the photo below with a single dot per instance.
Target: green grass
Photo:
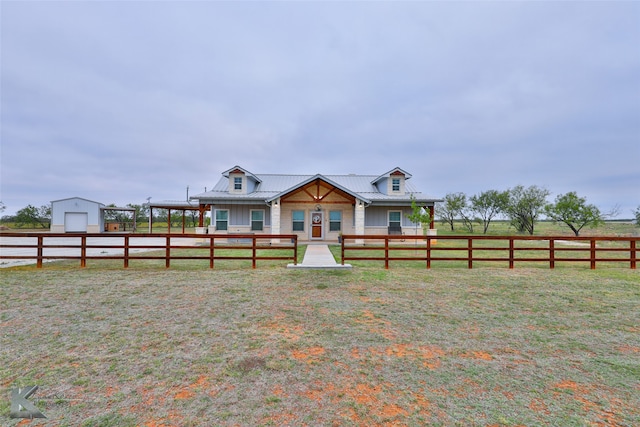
(497, 227)
(545, 228)
(536, 250)
(135, 260)
(406, 346)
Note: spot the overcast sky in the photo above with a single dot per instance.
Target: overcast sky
(117, 101)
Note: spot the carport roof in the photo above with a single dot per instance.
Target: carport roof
(173, 204)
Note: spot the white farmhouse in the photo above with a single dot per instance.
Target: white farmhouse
(315, 207)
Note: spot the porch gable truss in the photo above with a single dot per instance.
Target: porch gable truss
(317, 190)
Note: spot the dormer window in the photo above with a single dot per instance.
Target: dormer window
(392, 183)
(237, 182)
(395, 184)
(241, 181)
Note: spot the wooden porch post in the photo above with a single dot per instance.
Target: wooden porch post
(201, 210)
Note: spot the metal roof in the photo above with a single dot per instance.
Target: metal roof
(177, 204)
(272, 186)
(77, 198)
(116, 208)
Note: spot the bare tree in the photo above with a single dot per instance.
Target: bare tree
(468, 219)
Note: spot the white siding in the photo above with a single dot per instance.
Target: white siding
(377, 216)
(240, 215)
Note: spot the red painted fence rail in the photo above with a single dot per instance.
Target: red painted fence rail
(127, 247)
(439, 248)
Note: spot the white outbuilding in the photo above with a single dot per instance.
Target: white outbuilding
(78, 215)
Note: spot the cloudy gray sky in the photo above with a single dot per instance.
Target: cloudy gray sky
(117, 101)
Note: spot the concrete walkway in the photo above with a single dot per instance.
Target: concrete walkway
(318, 257)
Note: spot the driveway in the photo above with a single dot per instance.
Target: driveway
(160, 242)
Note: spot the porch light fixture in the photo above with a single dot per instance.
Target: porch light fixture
(318, 208)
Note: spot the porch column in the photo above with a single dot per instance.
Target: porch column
(212, 224)
(201, 211)
(359, 216)
(275, 219)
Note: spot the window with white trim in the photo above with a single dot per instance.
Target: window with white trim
(257, 220)
(222, 220)
(237, 183)
(335, 220)
(297, 218)
(395, 219)
(395, 185)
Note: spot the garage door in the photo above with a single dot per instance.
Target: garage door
(75, 222)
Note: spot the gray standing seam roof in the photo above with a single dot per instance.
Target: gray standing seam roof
(271, 185)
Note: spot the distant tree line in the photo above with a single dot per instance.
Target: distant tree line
(141, 211)
(30, 217)
(40, 217)
(159, 215)
(192, 218)
(523, 207)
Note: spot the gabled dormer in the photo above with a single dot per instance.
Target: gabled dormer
(241, 181)
(392, 183)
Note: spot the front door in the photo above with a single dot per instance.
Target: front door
(316, 225)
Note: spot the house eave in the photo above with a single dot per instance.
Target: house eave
(231, 201)
(401, 202)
